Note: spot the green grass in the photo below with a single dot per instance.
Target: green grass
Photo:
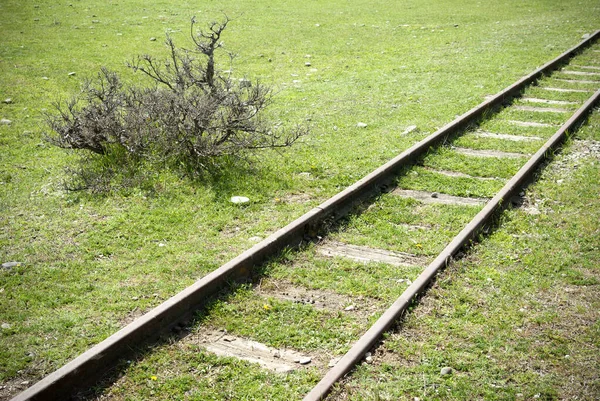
(90, 262)
(512, 322)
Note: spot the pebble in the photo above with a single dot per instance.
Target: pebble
(4, 121)
(45, 78)
(361, 125)
(10, 265)
(446, 371)
(333, 362)
(72, 74)
(7, 101)
(6, 326)
(153, 39)
(307, 64)
(239, 199)
(435, 195)
(409, 129)
(349, 308)
(304, 361)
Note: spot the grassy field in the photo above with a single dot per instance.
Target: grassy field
(518, 317)
(91, 262)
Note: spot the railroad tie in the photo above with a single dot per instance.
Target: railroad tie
(366, 255)
(508, 137)
(438, 198)
(547, 101)
(490, 153)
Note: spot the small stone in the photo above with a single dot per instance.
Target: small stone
(276, 354)
(25, 383)
(161, 244)
(255, 239)
(6, 326)
(409, 129)
(4, 121)
(317, 25)
(435, 195)
(333, 362)
(416, 399)
(304, 361)
(349, 308)
(45, 78)
(72, 74)
(446, 371)
(307, 64)
(369, 359)
(153, 39)
(7, 100)
(361, 125)
(229, 339)
(239, 199)
(585, 36)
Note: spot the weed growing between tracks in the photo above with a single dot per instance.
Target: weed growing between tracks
(518, 317)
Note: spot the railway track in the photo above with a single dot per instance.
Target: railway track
(408, 219)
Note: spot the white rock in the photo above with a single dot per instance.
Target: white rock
(6, 326)
(7, 101)
(304, 361)
(333, 362)
(349, 308)
(446, 371)
(307, 64)
(361, 125)
(409, 129)
(239, 199)
(4, 121)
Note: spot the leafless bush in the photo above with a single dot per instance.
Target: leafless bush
(189, 115)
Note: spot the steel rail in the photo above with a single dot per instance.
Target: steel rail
(92, 365)
(368, 340)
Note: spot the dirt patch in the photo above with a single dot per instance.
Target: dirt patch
(360, 307)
